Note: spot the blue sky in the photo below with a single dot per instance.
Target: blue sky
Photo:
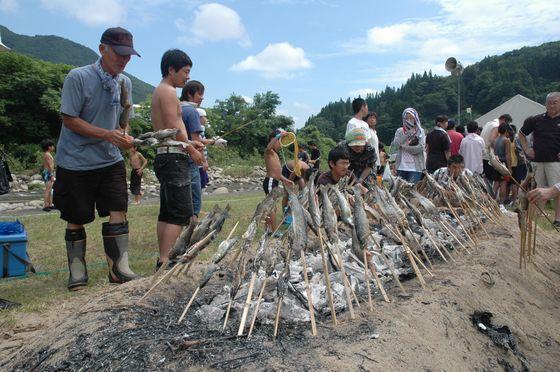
(310, 52)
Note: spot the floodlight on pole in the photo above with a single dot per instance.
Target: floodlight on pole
(456, 69)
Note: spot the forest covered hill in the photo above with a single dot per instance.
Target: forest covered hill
(57, 49)
(531, 71)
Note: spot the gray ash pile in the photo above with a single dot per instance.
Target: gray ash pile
(345, 248)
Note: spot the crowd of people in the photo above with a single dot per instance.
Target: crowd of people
(91, 172)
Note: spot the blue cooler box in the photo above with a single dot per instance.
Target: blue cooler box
(13, 249)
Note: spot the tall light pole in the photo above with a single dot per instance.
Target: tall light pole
(456, 69)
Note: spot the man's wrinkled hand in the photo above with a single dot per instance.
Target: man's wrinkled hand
(119, 139)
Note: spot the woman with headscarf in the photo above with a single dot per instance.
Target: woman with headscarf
(409, 143)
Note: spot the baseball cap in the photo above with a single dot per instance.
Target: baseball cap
(120, 40)
(356, 137)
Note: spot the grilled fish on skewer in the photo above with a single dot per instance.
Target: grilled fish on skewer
(344, 206)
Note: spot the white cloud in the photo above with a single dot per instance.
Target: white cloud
(248, 99)
(90, 12)
(384, 36)
(281, 60)
(214, 22)
(8, 6)
(466, 29)
(363, 92)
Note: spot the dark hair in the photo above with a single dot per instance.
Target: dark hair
(455, 159)
(337, 153)
(441, 119)
(273, 134)
(46, 143)
(174, 58)
(311, 143)
(511, 130)
(357, 104)
(460, 129)
(502, 128)
(506, 117)
(370, 114)
(451, 124)
(472, 126)
(190, 89)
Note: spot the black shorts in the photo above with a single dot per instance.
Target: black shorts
(175, 200)
(519, 172)
(135, 182)
(489, 172)
(269, 184)
(77, 194)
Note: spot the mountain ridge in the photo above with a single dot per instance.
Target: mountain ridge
(52, 48)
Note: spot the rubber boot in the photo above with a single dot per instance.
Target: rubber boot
(76, 252)
(115, 242)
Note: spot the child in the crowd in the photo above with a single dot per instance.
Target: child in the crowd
(137, 164)
(47, 173)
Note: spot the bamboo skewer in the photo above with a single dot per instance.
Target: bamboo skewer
(408, 252)
(257, 305)
(344, 281)
(247, 304)
(366, 280)
(421, 248)
(188, 305)
(280, 298)
(430, 238)
(390, 266)
(442, 223)
(327, 278)
(460, 223)
(378, 282)
(168, 274)
(309, 298)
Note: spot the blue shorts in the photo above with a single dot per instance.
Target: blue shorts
(46, 175)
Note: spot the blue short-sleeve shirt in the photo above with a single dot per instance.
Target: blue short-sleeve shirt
(191, 118)
(83, 96)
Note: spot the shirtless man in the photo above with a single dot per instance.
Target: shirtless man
(171, 164)
(274, 171)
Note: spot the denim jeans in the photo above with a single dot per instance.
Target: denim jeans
(412, 177)
(196, 189)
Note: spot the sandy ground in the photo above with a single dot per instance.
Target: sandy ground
(430, 330)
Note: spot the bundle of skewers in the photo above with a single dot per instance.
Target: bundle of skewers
(341, 250)
(526, 212)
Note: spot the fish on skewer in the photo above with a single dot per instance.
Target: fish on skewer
(344, 207)
(329, 222)
(203, 225)
(165, 134)
(269, 259)
(299, 243)
(219, 219)
(126, 106)
(265, 206)
(360, 221)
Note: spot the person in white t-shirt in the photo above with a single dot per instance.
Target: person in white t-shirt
(360, 109)
(472, 149)
(371, 120)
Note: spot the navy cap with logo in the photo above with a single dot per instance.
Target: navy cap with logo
(120, 40)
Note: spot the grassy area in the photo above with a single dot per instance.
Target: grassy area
(46, 246)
